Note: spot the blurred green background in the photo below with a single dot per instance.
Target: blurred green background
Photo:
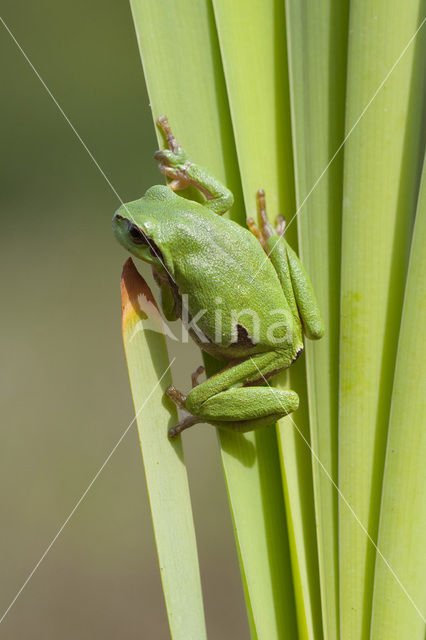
(64, 391)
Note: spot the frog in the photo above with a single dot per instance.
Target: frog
(242, 293)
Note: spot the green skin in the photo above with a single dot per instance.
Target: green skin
(194, 251)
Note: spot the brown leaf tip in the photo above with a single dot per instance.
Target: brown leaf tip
(134, 289)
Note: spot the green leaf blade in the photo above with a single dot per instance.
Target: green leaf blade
(184, 77)
(402, 532)
(258, 92)
(165, 470)
(317, 41)
(382, 163)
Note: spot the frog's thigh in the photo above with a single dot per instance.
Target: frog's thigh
(241, 426)
(248, 370)
(249, 403)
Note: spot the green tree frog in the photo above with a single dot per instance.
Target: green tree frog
(243, 293)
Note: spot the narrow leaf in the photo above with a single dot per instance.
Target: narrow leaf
(165, 470)
(317, 43)
(253, 46)
(400, 597)
(382, 164)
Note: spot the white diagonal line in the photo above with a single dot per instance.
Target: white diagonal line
(83, 495)
(351, 130)
(60, 109)
(92, 157)
(392, 571)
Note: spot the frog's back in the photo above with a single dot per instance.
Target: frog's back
(223, 269)
(210, 245)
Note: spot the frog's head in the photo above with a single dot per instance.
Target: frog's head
(137, 225)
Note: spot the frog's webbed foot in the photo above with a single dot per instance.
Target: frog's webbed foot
(196, 374)
(183, 424)
(172, 162)
(280, 225)
(265, 230)
(179, 399)
(177, 396)
(174, 167)
(164, 125)
(182, 173)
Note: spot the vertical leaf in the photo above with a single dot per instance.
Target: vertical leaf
(183, 72)
(253, 46)
(402, 532)
(317, 43)
(380, 187)
(165, 470)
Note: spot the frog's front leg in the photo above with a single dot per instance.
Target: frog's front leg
(175, 165)
(219, 402)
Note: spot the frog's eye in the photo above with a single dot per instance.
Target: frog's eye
(136, 235)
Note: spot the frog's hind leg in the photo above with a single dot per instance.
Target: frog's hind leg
(247, 408)
(208, 403)
(224, 398)
(242, 409)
